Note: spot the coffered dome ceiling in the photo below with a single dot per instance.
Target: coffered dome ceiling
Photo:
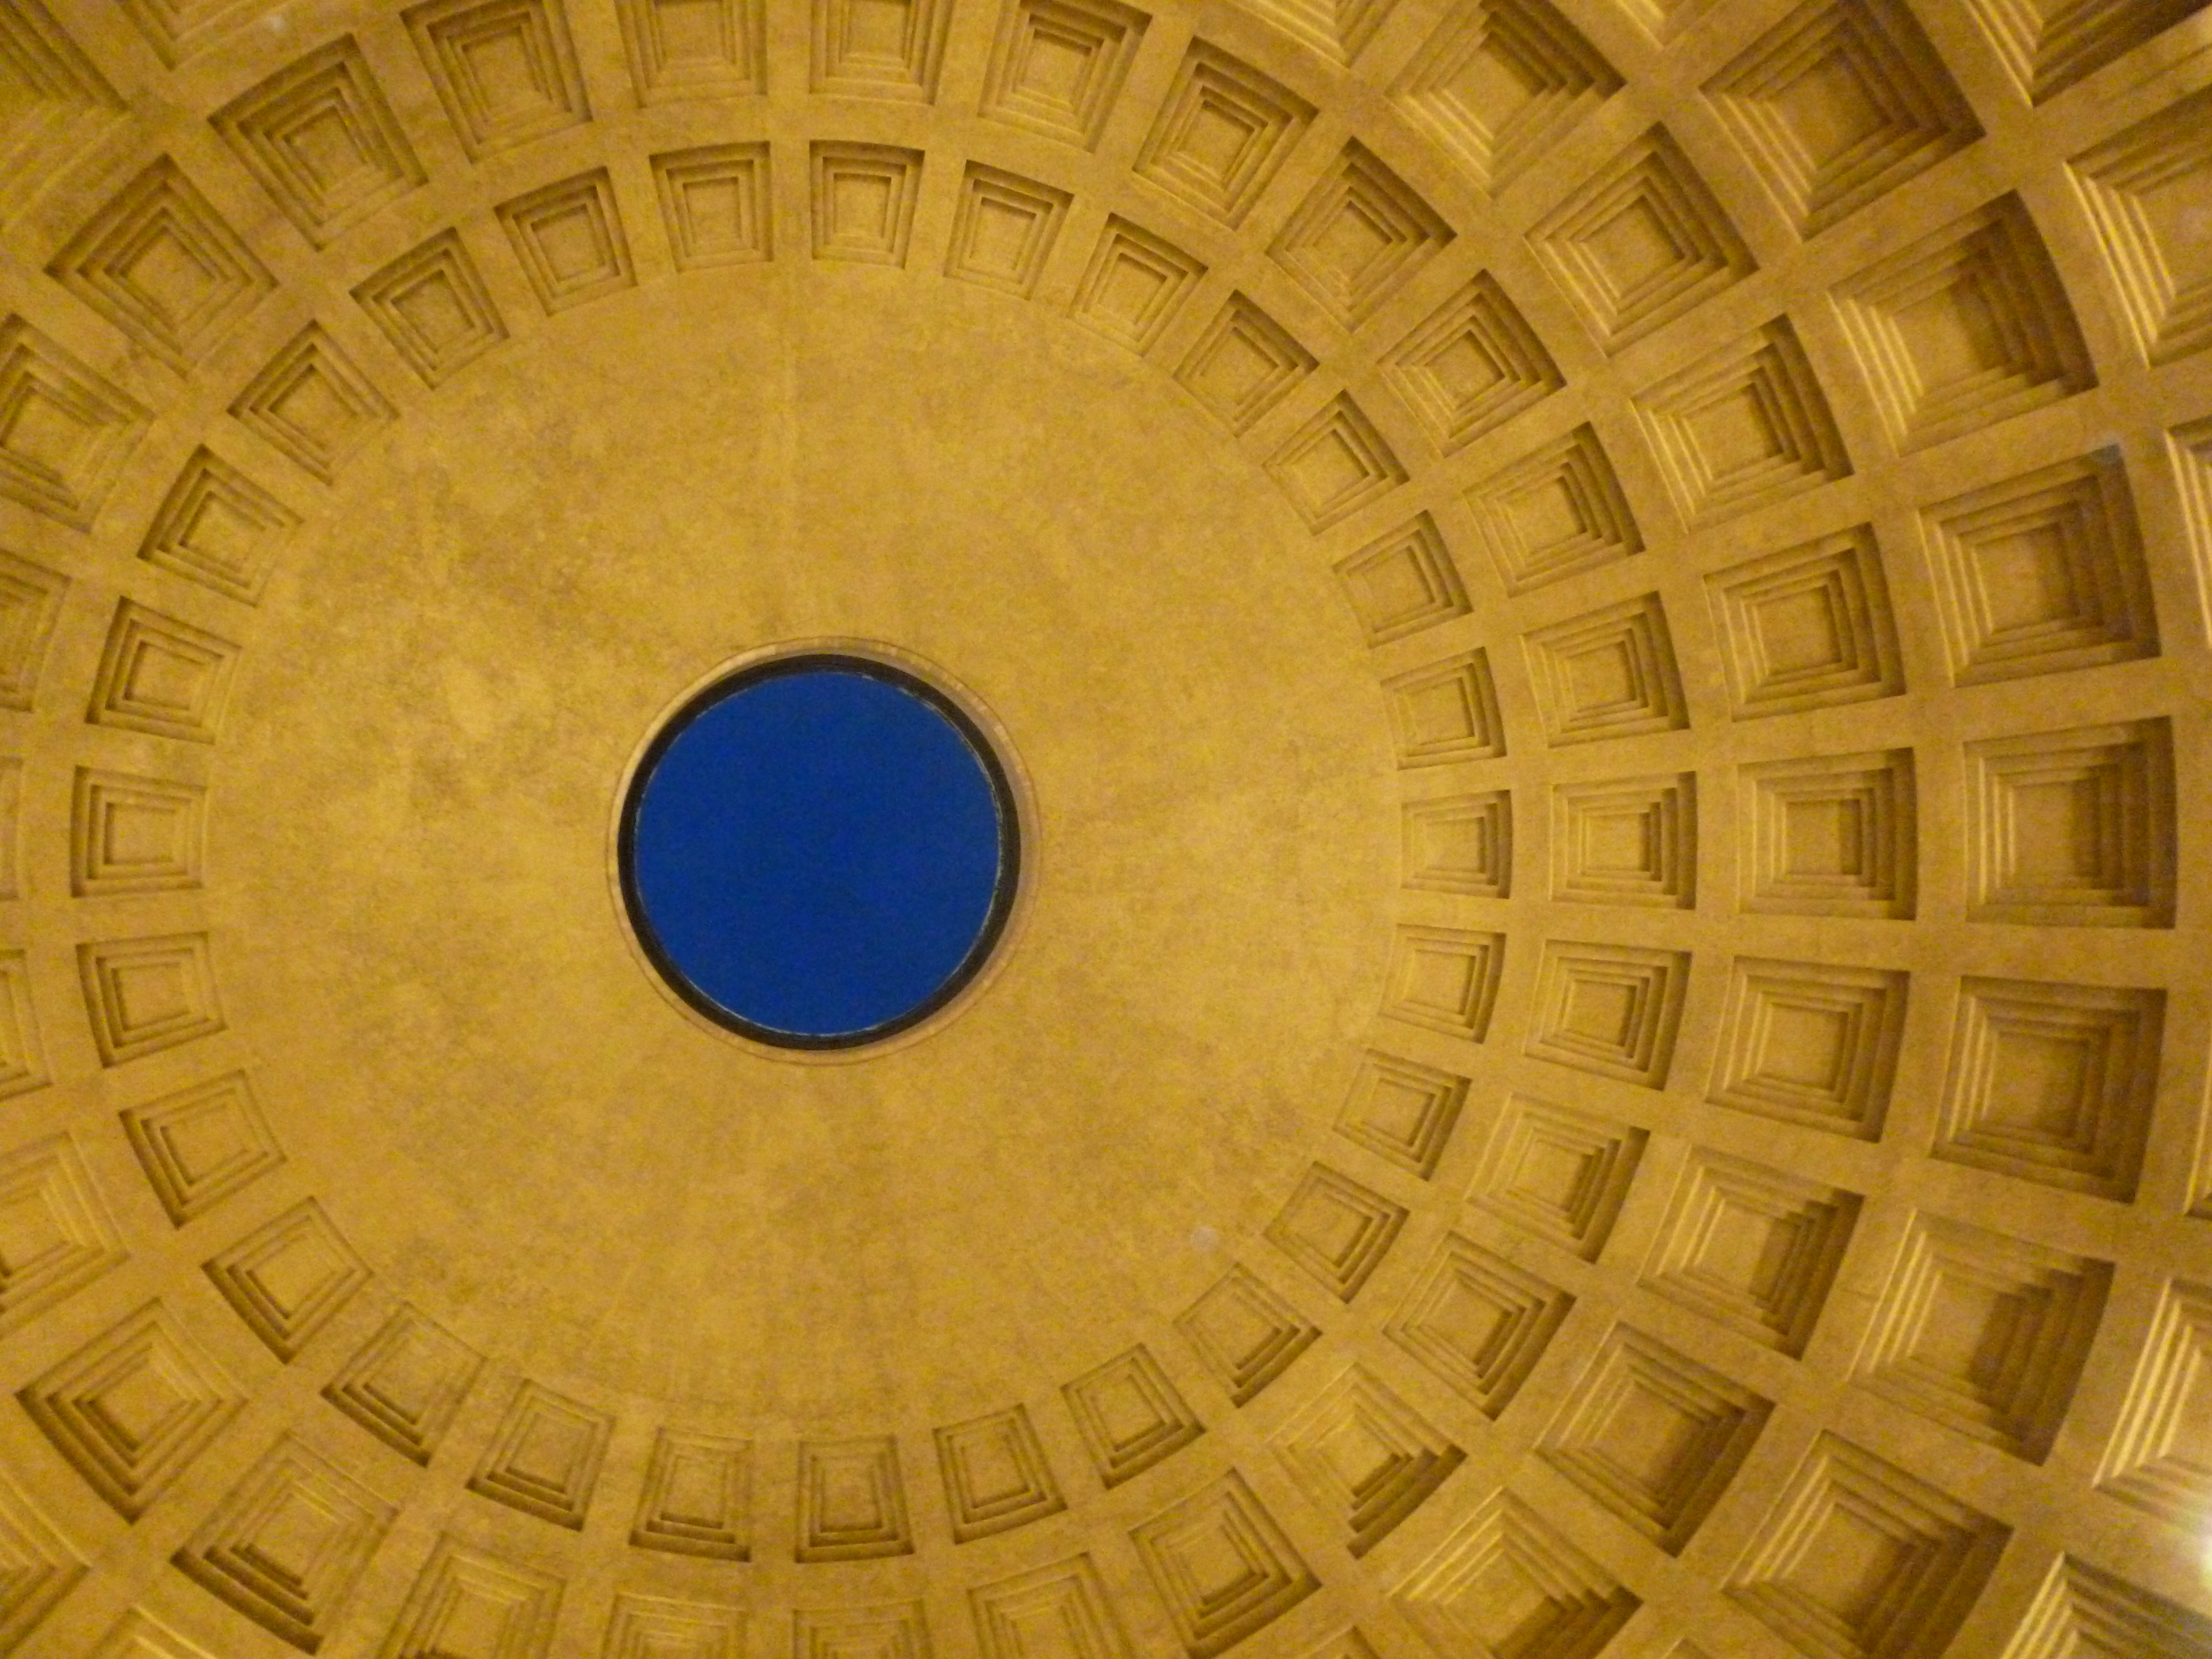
(1600, 606)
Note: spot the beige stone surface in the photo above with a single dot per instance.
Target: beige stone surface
(427, 914)
(1602, 608)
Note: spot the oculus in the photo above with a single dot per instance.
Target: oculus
(819, 851)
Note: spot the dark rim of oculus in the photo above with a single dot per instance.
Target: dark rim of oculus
(987, 936)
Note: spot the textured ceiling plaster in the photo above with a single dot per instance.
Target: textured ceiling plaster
(924, 1232)
(1602, 606)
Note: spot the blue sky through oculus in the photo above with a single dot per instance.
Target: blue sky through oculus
(818, 852)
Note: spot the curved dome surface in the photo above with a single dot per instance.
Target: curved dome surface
(1600, 609)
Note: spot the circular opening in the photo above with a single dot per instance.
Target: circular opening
(819, 851)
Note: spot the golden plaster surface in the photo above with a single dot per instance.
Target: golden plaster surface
(426, 949)
(1604, 602)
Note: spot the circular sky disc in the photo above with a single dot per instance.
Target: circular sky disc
(818, 852)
